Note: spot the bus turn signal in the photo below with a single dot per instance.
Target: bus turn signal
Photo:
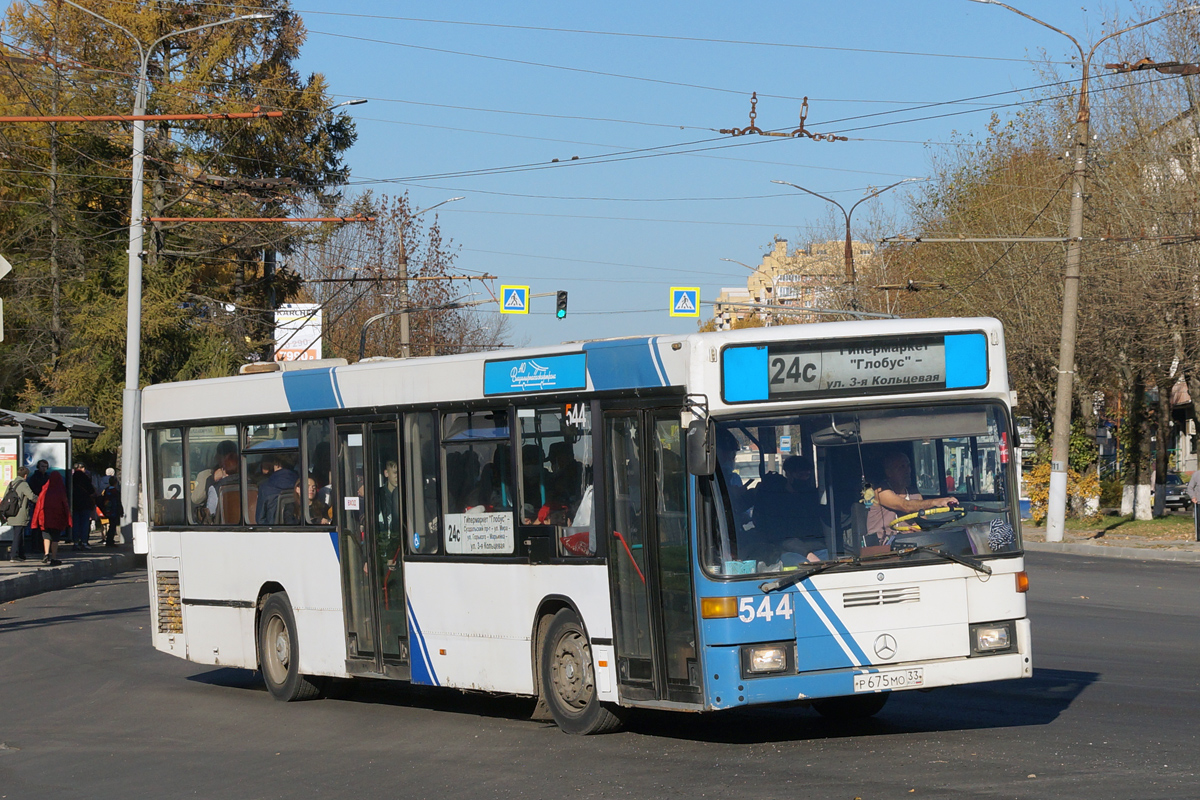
(718, 607)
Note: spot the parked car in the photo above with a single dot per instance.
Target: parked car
(1176, 497)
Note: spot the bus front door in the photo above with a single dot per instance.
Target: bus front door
(372, 567)
(649, 556)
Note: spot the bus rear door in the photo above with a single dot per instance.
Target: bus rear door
(372, 566)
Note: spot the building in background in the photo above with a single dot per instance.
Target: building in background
(809, 277)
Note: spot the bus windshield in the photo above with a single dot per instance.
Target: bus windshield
(814, 488)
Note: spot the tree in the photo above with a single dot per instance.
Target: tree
(1137, 327)
(353, 271)
(209, 289)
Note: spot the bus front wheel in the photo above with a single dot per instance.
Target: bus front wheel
(279, 652)
(855, 706)
(569, 680)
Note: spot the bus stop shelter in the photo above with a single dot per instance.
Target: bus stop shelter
(26, 439)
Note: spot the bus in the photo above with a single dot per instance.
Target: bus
(696, 522)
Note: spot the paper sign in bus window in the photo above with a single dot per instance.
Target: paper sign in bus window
(480, 533)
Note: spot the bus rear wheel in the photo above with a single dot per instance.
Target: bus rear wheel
(279, 652)
(569, 681)
(857, 706)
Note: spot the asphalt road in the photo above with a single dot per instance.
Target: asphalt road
(88, 709)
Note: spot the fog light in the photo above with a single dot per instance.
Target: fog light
(991, 638)
(767, 659)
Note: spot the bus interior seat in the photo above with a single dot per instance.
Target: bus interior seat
(229, 505)
(285, 509)
(169, 512)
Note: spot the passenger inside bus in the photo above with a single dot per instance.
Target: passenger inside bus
(224, 492)
(276, 493)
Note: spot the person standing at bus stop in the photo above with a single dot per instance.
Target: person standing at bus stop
(83, 505)
(20, 522)
(1193, 491)
(52, 515)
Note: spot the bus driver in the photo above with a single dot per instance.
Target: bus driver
(894, 497)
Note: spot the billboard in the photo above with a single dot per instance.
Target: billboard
(298, 332)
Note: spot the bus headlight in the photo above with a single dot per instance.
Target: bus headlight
(993, 637)
(767, 659)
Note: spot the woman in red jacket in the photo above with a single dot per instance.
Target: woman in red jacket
(53, 515)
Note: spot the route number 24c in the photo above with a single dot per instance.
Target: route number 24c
(752, 608)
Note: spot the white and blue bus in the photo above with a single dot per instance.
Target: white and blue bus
(694, 522)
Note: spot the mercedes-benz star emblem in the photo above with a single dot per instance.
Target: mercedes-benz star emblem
(885, 646)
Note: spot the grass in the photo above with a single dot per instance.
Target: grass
(1173, 526)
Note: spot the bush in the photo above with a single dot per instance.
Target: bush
(1110, 492)
(1079, 491)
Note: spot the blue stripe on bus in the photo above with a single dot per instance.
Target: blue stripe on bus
(966, 361)
(817, 647)
(658, 362)
(311, 390)
(744, 373)
(337, 390)
(337, 550)
(623, 364)
(839, 627)
(420, 664)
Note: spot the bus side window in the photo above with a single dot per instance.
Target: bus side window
(317, 498)
(214, 479)
(167, 494)
(424, 516)
(556, 470)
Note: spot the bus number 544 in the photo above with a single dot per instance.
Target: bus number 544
(752, 608)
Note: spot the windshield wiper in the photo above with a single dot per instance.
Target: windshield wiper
(966, 561)
(791, 579)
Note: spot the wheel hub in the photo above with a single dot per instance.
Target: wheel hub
(572, 671)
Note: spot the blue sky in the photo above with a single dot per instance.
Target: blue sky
(618, 233)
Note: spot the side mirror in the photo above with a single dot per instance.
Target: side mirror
(701, 455)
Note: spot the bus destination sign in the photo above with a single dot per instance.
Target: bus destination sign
(912, 364)
(803, 370)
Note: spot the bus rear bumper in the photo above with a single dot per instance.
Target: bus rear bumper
(730, 690)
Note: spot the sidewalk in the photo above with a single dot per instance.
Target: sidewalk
(1114, 543)
(30, 577)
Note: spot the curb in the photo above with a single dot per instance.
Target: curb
(39, 579)
(1104, 551)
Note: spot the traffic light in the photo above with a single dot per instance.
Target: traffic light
(560, 310)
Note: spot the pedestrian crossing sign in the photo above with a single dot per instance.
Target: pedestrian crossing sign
(514, 299)
(685, 301)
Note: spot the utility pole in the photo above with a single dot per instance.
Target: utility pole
(1056, 511)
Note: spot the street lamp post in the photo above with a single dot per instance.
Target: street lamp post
(405, 347)
(774, 288)
(849, 256)
(1056, 509)
(131, 410)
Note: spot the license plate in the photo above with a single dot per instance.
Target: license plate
(890, 679)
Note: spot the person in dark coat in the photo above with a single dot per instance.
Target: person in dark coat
(83, 505)
(52, 515)
(113, 510)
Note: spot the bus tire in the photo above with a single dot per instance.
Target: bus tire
(569, 680)
(279, 652)
(856, 706)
